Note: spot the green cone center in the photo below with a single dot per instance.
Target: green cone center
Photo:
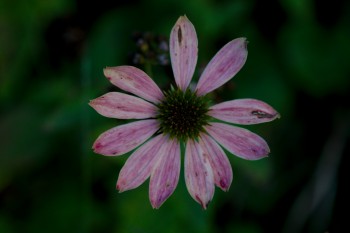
(182, 115)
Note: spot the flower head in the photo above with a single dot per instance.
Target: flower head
(181, 115)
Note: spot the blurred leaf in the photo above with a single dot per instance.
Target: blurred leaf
(21, 24)
(59, 211)
(23, 144)
(5, 224)
(316, 59)
(111, 43)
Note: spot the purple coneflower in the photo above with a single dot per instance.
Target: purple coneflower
(181, 115)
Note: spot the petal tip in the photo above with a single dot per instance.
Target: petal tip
(120, 187)
(265, 154)
(244, 40)
(107, 72)
(96, 146)
(156, 205)
(91, 102)
(224, 185)
(242, 43)
(268, 115)
(202, 203)
(183, 18)
(100, 149)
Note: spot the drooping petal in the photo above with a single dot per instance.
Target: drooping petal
(218, 160)
(244, 111)
(122, 106)
(165, 174)
(134, 80)
(124, 138)
(198, 174)
(223, 66)
(239, 141)
(139, 165)
(183, 51)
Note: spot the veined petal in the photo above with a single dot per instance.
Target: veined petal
(223, 66)
(134, 80)
(218, 160)
(124, 138)
(239, 141)
(123, 106)
(244, 111)
(183, 51)
(198, 174)
(165, 174)
(139, 165)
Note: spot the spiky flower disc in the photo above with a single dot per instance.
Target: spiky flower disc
(182, 115)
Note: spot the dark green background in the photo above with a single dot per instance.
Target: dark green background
(51, 58)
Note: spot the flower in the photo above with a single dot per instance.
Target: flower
(181, 115)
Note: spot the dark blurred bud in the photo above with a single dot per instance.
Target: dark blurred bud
(163, 45)
(137, 59)
(163, 59)
(150, 49)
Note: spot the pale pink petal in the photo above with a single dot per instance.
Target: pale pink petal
(124, 138)
(244, 111)
(239, 141)
(165, 174)
(218, 160)
(223, 66)
(139, 165)
(134, 80)
(198, 174)
(183, 51)
(123, 106)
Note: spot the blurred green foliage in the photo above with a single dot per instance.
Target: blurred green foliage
(51, 58)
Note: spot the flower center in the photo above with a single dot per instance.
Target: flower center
(182, 115)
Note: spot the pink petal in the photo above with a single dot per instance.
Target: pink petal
(218, 160)
(124, 138)
(198, 174)
(244, 111)
(134, 80)
(183, 51)
(123, 106)
(238, 141)
(225, 64)
(165, 175)
(139, 165)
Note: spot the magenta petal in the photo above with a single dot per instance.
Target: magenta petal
(165, 174)
(239, 141)
(139, 165)
(244, 111)
(134, 80)
(183, 51)
(124, 138)
(223, 66)
(198, 174)
(123, 106)
(218, 160)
